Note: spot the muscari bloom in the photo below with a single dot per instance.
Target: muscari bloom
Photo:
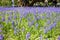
(42, 17)
(3, 19)
(48, 14)
(13, 23)
(50, 27)
(15, 17)
(36, 25)
(59, 38)
(27, 36)
(48, 22)
(1, 37)
(9, 18)
(37, 17)
(41, 38)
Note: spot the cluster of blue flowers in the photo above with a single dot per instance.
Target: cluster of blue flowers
(29, 24)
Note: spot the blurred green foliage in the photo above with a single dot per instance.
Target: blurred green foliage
(9, 3)
(5, 2)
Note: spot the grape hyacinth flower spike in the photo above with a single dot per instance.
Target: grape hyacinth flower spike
(41, 37)
(3, 19)
(50, 27)
(13, 23)
(1, 37)
(59, 38)
(36, 25)
(27, 36)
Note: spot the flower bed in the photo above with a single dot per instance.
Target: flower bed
(26, 23)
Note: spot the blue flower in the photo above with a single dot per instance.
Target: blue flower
(35, 17)
(50, 27)
(38, 17)
(46, 30)
(43, 17)
(36, 24)
(25, 14)
(1, 37)
(31, 23)
(53, 25)
(27, 36)
(3, 19)
(48, 14)
(41, 37)
(59, 38)
(15, 17)
(32, 11)
(48, 22)
(13, 23)
(9, 18)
